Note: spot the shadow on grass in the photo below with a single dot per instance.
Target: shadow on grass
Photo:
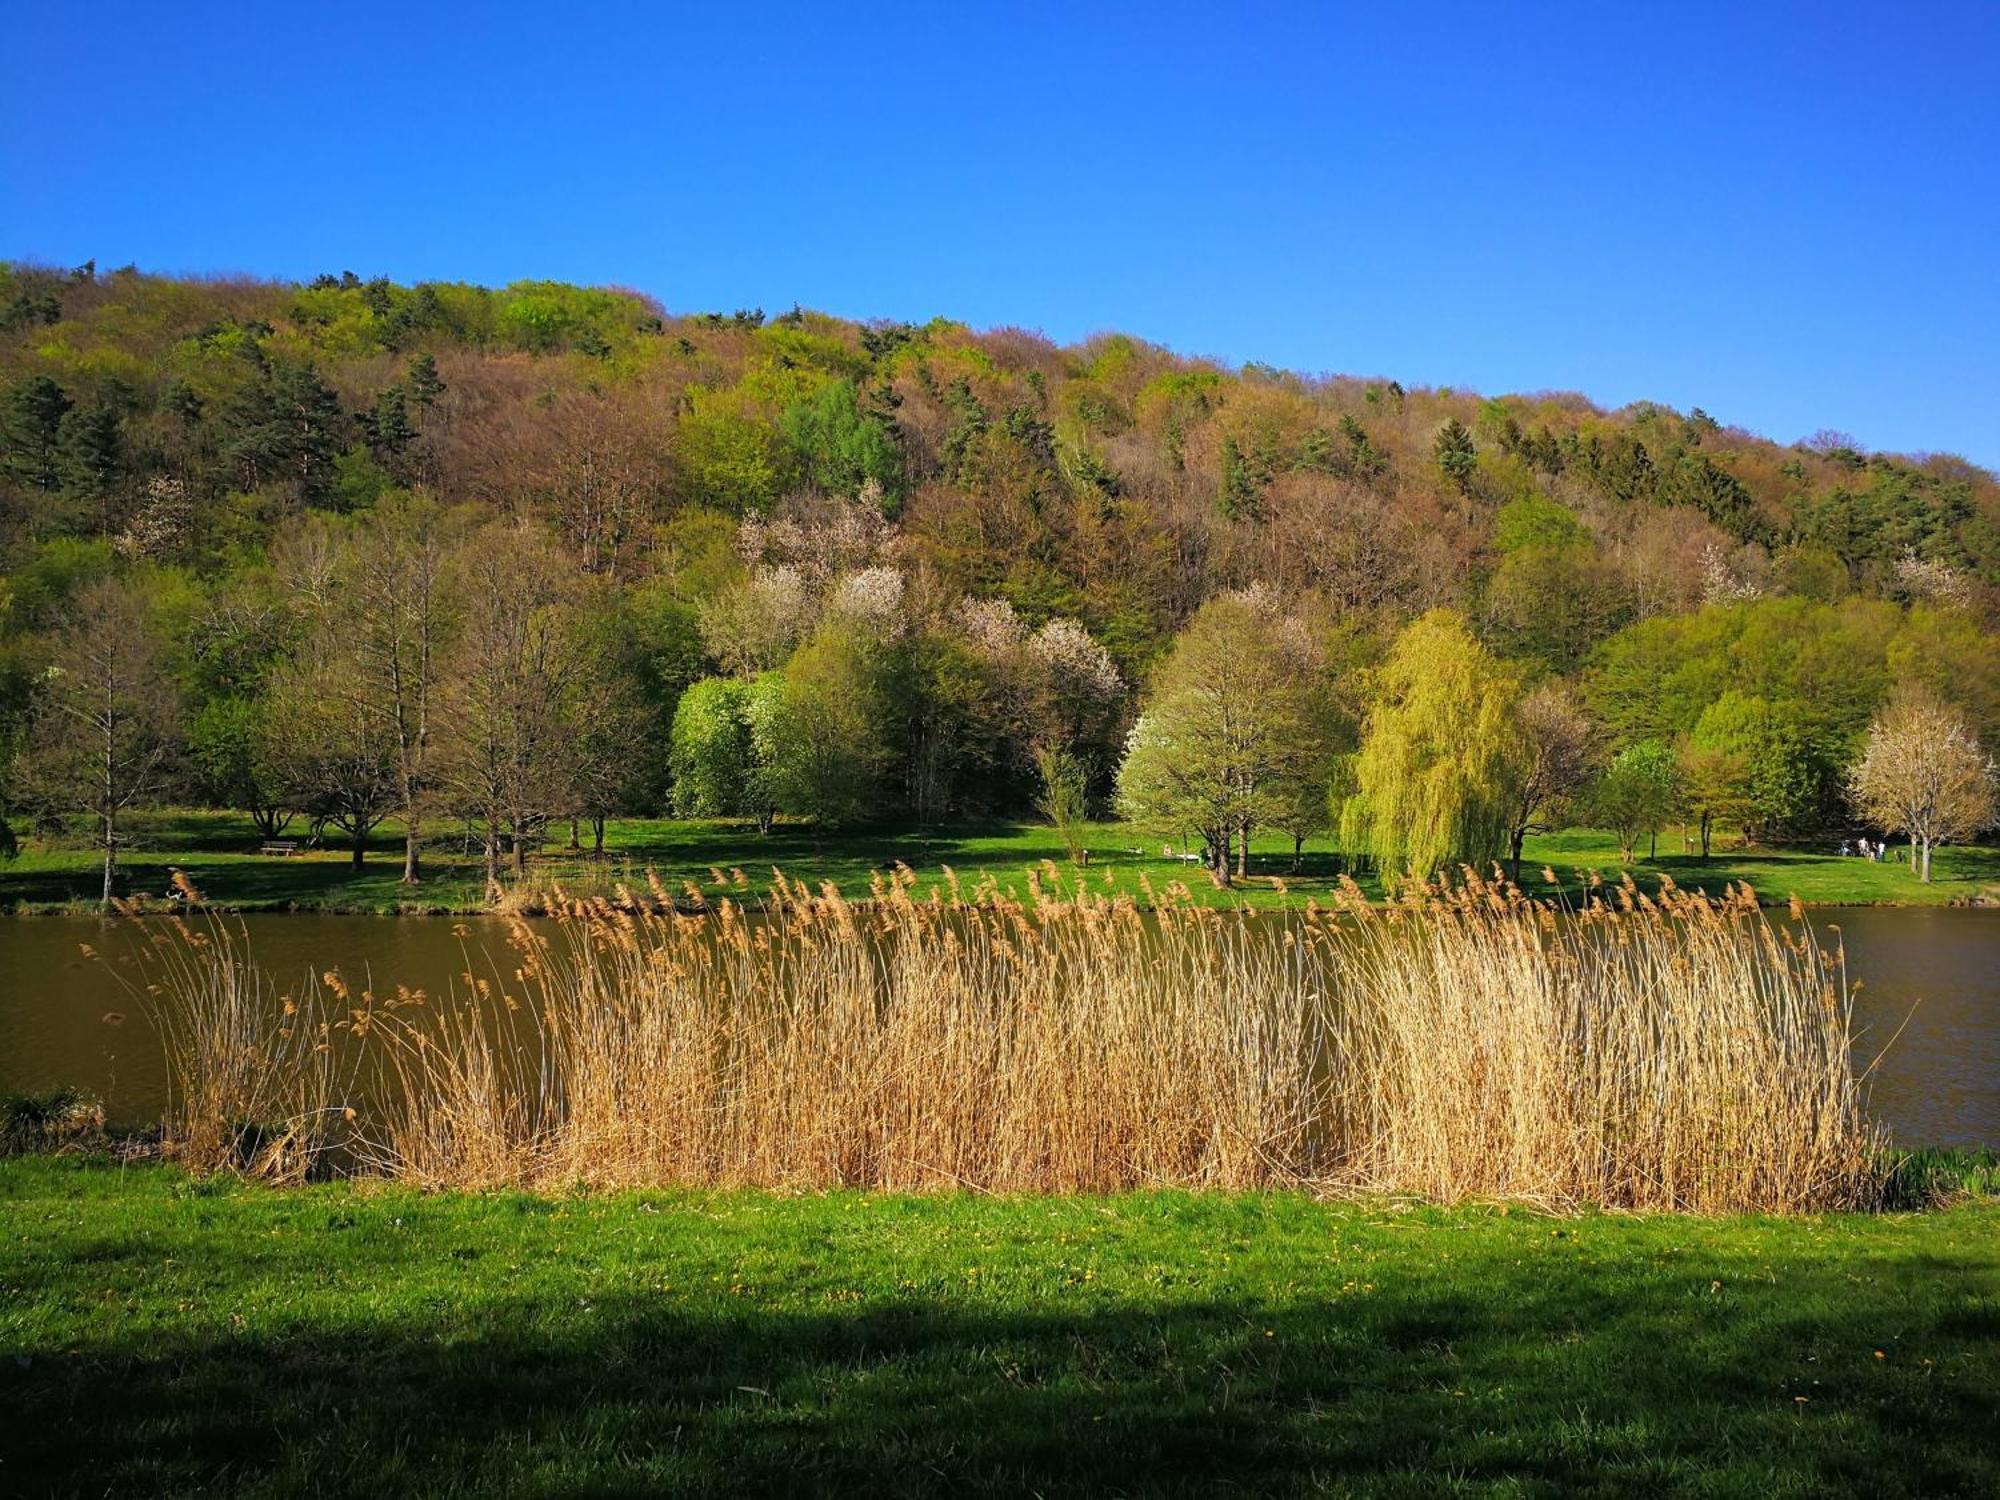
(1414, 1389)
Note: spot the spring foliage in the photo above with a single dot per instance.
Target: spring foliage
(1437, 774)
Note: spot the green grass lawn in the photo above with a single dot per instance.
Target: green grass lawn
(161, 1336)
(219, 851)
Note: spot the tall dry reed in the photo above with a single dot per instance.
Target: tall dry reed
(1678, 1053)
(250, 1070)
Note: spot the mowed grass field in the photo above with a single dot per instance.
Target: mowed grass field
(164, 1336)
(219, 851)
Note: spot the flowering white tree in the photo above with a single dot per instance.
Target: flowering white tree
(870, 600)
(1075, 687)
(1937, 582)
(1924, 774)
(991, 628)
(754, 626)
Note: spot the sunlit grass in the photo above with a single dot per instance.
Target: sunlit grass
(219, 851)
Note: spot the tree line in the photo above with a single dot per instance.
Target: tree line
(352, 551)
(1426, 750)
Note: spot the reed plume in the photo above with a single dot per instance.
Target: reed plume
(1463, 1042)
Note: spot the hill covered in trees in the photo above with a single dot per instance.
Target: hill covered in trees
(354, 549)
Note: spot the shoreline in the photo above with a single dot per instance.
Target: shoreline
(218, 853)
(152, 907)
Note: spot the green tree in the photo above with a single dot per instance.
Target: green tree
(733, 457)
(1064, 799)
(821, 741)
(1775, 775)
(1240, 493)
(229, 741)
(423, 382)
(1638, 792)
(1554, 604)
(712, 758)
(30, 428)
(1223, 731)
(1437, 775)
(91, 455)
(1454, 454)
(838, 446)
(287, 426)
(1537, 521)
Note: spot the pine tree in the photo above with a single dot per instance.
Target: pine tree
(1455, 455)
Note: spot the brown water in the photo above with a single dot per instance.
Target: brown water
(1930, 979)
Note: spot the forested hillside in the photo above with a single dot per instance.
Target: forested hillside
(354, 549)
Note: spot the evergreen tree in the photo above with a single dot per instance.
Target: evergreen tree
(31, 425)
(1239, 497)
(1453, 450)
(422, 380)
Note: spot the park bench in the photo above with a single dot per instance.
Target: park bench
(283, 847)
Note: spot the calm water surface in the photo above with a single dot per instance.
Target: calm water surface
(1930, 979)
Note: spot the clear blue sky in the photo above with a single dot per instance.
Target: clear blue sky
(1788, 214)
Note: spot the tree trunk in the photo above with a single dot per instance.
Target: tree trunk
(1298, 852)
(597, 836)
(1216, 850)
(1927, 862)
(110, 853)
(1243, 853)
(1706, 819)
(491, 851)
(360, 845)
(411, 840)
(519, 850)
(1518, 838)
(1653, 844)
(575, 833)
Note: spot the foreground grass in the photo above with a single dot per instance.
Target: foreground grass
(163, 1336)
(218, 850)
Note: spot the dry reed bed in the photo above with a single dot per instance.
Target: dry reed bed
(1466, 1041)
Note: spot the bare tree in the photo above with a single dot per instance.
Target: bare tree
(1924, 774)
(335, 758)
(384, 619)
(108, 717)
(504, 751)
(606, 724)
(1559, 751)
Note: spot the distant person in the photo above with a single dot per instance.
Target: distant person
(1843, 848)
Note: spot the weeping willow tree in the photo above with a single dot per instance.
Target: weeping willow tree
(1439, 764)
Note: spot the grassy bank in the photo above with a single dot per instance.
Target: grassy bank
(169, 1337)
(219, 851)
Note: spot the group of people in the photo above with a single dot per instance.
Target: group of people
(1873, 849)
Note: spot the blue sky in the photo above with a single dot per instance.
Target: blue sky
(1786, 214)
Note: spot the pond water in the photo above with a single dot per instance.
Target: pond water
(1930, 979)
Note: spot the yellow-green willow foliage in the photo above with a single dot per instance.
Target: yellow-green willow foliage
(1438, 767)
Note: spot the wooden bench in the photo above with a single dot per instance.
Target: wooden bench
(282, 847)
